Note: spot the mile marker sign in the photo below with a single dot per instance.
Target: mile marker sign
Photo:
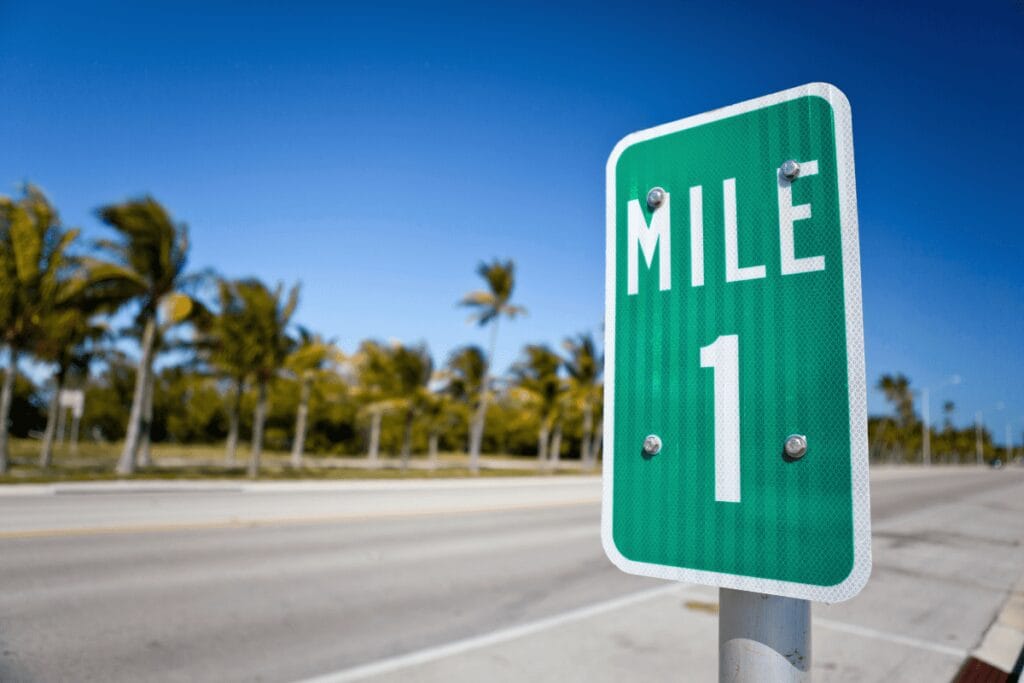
(735, 408)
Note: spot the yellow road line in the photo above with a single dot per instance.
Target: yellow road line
(281, 521)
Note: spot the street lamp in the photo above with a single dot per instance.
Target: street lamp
(978, 445)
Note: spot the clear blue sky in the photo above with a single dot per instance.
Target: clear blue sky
(378, 153)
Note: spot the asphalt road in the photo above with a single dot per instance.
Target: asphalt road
(491, 579)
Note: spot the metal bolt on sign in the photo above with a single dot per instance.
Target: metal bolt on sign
(652, 444)
(796, 446)
(655, 197)
(790, 169)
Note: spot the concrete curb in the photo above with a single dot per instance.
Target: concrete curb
(1000, 655)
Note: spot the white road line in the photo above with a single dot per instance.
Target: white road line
(430, 654)
(297, 486)
(875, 634)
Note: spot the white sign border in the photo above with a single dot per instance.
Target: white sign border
(856, 381)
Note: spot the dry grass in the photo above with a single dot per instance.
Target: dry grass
(95, 462)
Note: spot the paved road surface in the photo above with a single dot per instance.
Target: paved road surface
(442, 581)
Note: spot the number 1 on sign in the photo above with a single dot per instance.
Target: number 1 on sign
(723, 357)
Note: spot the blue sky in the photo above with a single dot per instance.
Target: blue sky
(378, 152)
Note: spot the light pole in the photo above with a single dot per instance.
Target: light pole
(978, 445)
(926, 444)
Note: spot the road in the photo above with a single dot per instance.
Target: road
(446, 581)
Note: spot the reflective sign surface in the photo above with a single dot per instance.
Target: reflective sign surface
(733, 324)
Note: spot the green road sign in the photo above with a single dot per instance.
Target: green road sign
(735, 409)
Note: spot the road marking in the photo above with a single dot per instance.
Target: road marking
(430, 654)
(889, 637)
(292, 486)
(285, 521)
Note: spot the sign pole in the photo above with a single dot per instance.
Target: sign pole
(763, 638)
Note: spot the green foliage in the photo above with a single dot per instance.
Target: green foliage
(583, 363)
(495, 301)
(36, 268)
(108, 399)
(312, 355)
(897, 392)
(28, 408)
(187, 408)
(149, 258)
(464, 374)
(55, 305)
(264, 315)
(900, 438)
(537, 374)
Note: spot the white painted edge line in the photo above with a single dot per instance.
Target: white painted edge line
(878, 472)
(424, 484)
(889, 637)
(221, 485)
(430, 654)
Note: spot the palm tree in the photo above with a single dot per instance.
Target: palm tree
(143, 457)
(948, 442)
(897, 392)
(148, 259)
(561, 409)
(36, 278)
(68, 341)
(374, 377)
(598, 439)
(489, 306)
(537, 375)
(464, 374)
(265, 315)
(436, 409)
(223, 346)
(584, 368)
(394, 377)
(312, 357)
(413, 368)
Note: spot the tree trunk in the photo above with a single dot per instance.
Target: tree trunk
(596, 453)
(301, 415)
(476, 435)
(407, 439)
(46, 451)
(375, 419)
(257, 431)
(555, 452)
(477, 432)
(126, 463)
(233, 410)
(6, 398)
(145, 458)
(62, 420)
(432, 449)
(76, 422)
(586, 443)
(542, 442)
